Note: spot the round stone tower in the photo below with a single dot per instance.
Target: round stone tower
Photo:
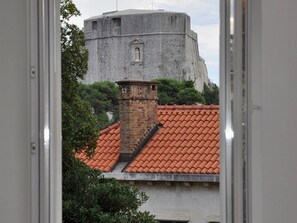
(143, 45)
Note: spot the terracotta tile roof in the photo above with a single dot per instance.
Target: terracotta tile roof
(107, 152)
(187, 142)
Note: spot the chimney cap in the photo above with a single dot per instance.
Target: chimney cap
(137, 82)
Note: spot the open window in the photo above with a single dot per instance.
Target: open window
(33, 67)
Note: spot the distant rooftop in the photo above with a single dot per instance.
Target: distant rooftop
(130, 12)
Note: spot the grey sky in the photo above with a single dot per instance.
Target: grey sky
(204, 17)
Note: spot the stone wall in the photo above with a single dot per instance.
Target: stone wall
(142, 45)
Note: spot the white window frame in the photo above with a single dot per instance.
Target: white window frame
(234, 111)
(45, 111)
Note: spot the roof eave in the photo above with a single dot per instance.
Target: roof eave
(124, 176)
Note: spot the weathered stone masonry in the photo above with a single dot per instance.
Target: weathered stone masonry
(143, 45)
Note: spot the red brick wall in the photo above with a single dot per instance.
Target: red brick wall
(138, 112)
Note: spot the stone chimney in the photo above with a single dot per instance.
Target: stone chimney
(138, 113)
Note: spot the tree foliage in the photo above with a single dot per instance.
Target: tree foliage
(87, 196)
(103, 97)
(79, 127)
(211, 94)
(189, 96)
(171, 91)
(74, 53)
(92, 198)
(78, 123)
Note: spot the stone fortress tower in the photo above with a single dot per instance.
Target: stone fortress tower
(143, 45)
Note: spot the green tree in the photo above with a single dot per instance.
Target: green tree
(189, 96)
(92, 198)
(87, 196)
(103, 97)
(211, 94)
(79, 127)
(171, 91)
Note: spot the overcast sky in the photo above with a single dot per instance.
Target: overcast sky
(204, 18)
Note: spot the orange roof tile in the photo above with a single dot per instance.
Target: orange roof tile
(188, 142)
(105, 155)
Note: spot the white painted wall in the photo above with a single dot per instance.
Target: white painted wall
(274, 127)
(14, 140)
(196, 203)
